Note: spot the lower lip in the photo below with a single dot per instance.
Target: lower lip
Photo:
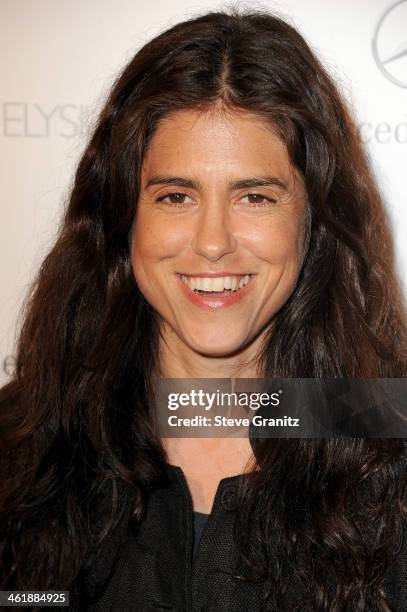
(214, 302)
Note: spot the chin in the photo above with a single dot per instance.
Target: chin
(217, 348)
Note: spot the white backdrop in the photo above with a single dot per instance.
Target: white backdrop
(58, 59)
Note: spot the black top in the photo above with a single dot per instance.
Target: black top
(153, 568)
(200, 519)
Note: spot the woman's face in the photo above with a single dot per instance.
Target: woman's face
(220, 206)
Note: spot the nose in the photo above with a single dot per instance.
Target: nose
(213, 233)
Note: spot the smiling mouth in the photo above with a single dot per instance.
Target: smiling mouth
(216, 286)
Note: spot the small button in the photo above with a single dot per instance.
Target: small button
(229, 498)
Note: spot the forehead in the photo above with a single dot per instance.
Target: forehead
(216, 141)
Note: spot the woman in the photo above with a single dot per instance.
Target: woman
(224, 151)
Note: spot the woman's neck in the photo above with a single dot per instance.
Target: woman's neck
(205, 461)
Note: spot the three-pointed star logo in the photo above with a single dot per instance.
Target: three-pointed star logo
(389, 44)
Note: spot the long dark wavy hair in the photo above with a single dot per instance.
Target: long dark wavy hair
(76, 417)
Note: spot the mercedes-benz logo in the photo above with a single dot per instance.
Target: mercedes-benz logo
(389, 44)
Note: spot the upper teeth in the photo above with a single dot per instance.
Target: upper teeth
(220, 283)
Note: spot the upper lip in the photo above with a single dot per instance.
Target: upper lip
(214, 274)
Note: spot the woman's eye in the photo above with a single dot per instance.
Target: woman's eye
(258, 200)
(175, 199)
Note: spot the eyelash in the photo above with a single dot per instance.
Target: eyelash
(181, 205)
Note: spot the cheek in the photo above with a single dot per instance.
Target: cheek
(278, 241)
(155, 242)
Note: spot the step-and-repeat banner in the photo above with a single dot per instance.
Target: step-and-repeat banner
(58, 60)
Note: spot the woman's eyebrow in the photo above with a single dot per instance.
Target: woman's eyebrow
(259, 181)
(256, 181)
(171, 180)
